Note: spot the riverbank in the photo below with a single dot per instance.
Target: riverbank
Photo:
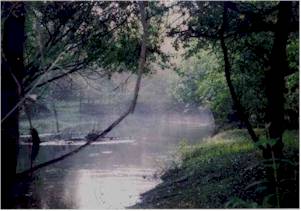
(227, 171)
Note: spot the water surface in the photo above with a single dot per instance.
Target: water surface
(111, 174)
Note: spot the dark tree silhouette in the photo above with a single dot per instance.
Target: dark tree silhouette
(12, 74)
(275, 79)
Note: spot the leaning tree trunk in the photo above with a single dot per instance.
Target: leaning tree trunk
(11, 74)
(275, 81)
(227, 69)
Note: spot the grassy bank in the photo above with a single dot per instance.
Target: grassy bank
(227, 171)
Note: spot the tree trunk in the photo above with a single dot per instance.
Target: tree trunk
(240, 110)
(12, 70)
(275, 81)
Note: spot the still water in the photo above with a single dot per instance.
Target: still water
(110, 174)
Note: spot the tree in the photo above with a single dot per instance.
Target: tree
(71, 36)
(89, 37)
(12, 74)
(244, 30)
(141, 68)
(227, 69)
(275, 76)
(201, 82)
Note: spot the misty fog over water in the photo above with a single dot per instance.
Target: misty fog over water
(111, 174)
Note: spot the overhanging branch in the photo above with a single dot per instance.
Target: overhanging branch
(125, 114)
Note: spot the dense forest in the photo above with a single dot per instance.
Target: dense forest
(211, 89)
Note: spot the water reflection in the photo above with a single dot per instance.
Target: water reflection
(110, 190)
(112, 174)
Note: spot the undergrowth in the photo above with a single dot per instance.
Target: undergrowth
(227, 171)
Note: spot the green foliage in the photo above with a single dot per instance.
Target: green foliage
(293, 53)
(249, 41)
(291, 140)
(292, 100)
(94, 36)
(202, 83)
